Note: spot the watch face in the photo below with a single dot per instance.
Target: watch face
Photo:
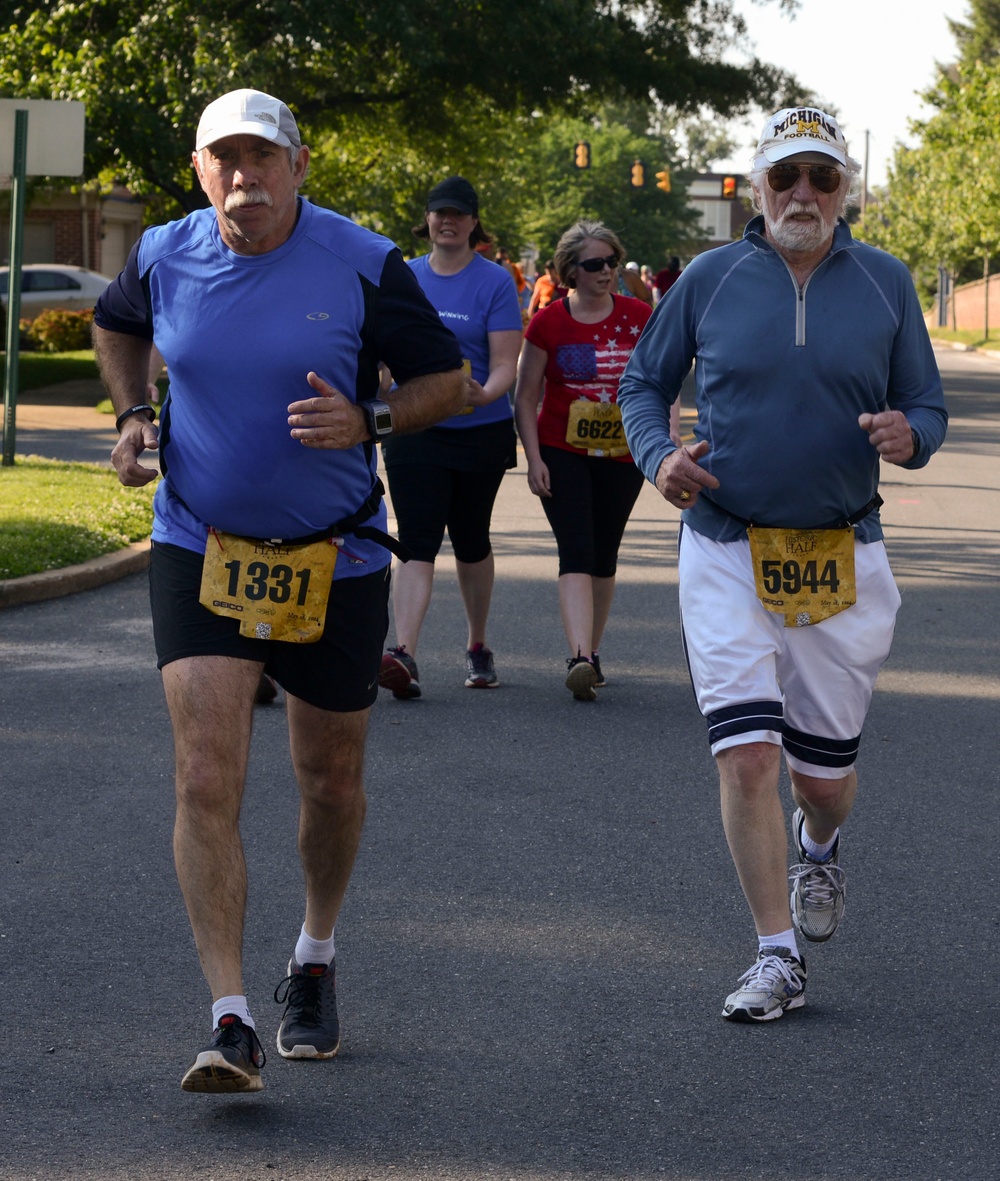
(383, 418)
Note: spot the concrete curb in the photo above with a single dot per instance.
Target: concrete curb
(52, 584)
(956, 346)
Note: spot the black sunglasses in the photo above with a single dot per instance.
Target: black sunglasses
(824, 178)
(593, 265)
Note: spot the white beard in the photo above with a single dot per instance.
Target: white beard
(805, 236)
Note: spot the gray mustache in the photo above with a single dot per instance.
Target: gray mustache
(243, 198)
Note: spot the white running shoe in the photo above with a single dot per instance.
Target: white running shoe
(819, 889)
(776, 982)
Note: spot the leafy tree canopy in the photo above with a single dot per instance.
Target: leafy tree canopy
(146, 68)
(522, 167)
(978, 37)
(943, 201)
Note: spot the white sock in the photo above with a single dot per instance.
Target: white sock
(818, 852)
(784, 939)
(314, 951)
(237, 1005)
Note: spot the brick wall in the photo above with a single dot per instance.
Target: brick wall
(57, 229)
(970, 300)
(67, 225)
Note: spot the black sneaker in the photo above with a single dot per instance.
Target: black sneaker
(479, 668)
(581, 678)
(230, 1062)
(309, 1026)
(398, 672)
(596, 662)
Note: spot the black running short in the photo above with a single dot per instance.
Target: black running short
(338, 673)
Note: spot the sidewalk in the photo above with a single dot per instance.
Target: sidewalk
(76, 434)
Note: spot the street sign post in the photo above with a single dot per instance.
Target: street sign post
(54, 147)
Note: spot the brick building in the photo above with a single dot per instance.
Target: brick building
(84, 229)
(723, 218)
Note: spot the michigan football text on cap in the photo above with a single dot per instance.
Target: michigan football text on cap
(801, 129)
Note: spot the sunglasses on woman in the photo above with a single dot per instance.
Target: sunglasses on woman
(593, 265)
(824, 178)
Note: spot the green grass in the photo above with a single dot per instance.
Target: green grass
(55, 514)
(40, 369)
(970, 336)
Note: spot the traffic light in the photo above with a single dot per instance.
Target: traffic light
(581, 155)
(729, 188)
(663, 180)
(638, 174)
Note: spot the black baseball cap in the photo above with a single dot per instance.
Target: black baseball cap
(454, 193)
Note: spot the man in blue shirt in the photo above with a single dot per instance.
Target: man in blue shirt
(812, 365)
(269, 551)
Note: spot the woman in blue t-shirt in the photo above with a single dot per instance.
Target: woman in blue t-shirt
(448, 477)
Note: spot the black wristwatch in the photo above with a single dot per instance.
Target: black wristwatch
(378, 416)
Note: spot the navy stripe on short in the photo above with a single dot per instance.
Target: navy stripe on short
(767, 715)
(822, 752)
(739, 719)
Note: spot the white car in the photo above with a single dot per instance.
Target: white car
(51, 285)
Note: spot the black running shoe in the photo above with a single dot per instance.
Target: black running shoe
(309, 1026)
(581, 679)
(596, 662)
(398, 673)
(230, 1062)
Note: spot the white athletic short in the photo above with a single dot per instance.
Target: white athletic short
(806, 688)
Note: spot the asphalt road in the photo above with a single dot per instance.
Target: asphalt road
(544, 919)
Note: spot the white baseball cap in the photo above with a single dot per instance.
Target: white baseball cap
(247, 112)
(801, 129)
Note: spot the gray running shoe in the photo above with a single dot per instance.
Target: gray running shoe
(480, 673)
(230, 1062)
(819, 889)
(776, 982)
(309, 1026)
(581, 680)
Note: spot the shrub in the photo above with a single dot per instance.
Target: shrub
(25, 343)
(56, 331)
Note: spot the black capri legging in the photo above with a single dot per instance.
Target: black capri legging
(448, 479)
(589, 508)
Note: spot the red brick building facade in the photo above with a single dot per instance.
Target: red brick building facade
(84, 229)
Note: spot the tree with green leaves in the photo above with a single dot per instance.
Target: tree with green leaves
(943, 202)
(522, 166)
(647, 219)
(978, 37)
(146, 68)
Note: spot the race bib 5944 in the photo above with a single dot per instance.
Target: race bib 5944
(807, 575)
